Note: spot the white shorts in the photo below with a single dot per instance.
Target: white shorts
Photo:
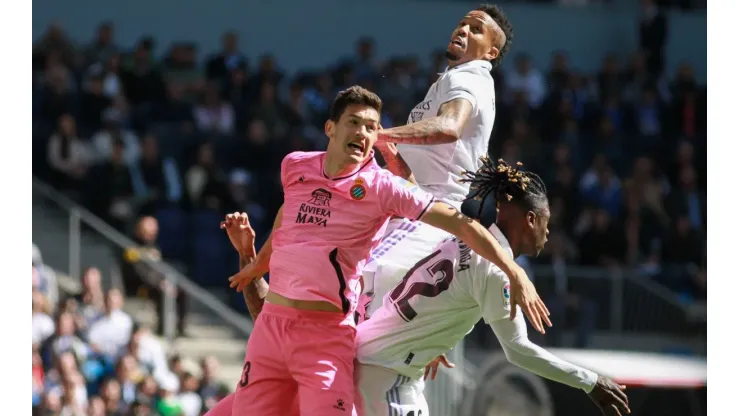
(383, 392)
(405, 243)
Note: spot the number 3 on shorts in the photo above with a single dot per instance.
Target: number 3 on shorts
(245, 374)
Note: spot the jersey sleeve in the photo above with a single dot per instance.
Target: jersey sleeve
(287, 167)
(490, 289)
(520, 351)
(463, 85)
(399, 197)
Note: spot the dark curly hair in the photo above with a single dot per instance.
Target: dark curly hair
(503, 22)
(508, 184)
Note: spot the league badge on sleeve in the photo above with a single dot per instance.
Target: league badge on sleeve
(358, 191)
(506, 293)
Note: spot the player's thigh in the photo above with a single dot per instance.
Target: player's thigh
(371, 386)
(323, 366)
(265, 386)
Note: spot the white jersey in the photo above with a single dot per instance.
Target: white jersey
(438, 302)
(437, 168)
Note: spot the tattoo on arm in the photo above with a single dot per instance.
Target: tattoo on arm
(446, 127)
(255, 292)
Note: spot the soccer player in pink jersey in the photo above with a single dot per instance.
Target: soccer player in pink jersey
(337, 204)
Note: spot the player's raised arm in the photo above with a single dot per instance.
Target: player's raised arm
(394, 161)
(261, 265)
(241, 234)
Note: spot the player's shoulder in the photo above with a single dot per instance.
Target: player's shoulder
(298, 157)
(477, 72)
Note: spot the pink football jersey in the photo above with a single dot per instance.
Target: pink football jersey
(330, 225)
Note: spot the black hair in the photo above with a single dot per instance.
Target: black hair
(354, 95)
(508, 184)
(503, 22)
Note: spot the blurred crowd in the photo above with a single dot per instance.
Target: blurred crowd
(90, 358)
(190, 136)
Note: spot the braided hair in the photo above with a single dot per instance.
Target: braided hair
(507, 183)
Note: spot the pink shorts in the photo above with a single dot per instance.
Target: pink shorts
(297, 362)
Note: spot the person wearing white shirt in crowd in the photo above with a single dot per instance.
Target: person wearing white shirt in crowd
(42, 326)
(447, 133)
(111, 331)
(528, 80)
(436, 303)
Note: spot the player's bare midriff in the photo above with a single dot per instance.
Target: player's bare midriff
(306, 305)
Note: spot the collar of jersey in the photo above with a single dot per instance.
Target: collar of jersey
(472, 64)
(364, 164)
(501, 239)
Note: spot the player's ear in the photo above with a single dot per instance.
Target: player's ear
(329, 128)
(531, 219)
(492, 54)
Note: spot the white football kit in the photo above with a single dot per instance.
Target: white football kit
(432, 308)
(437, 169)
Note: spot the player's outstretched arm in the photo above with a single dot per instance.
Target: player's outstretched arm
(446, 127)
(481, 241)
(520, 351)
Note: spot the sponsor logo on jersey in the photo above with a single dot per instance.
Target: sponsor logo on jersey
(358, 191)
(506, 292)
(339, 405)
(317, 210)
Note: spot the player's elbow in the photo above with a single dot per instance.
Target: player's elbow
(450, 131)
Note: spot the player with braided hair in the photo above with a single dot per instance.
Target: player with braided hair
(445, 294)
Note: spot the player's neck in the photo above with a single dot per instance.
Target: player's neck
(511, 237)
(338, 167)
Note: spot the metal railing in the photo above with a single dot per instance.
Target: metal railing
(78, 216)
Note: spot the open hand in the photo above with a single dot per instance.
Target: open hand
(610, 397)
(435, 363)
(240, 232)
(524, 295)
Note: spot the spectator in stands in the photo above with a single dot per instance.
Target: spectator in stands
(688, 200)
(44, 279)
(55, 41)
(42, 326)
(229, 59)
(129, 374)
(601, 187)
(110, 188)
(270, 110)
(213, 114)
(58, 90)
(65, 340)
(205, 183)
(653, 35)
(147, 350)
(181, 70)
(188, 398)
(110, 392)
(68, 156)
(91, 299)
(112, 331)
(155, 179)
(94, 102)
(141, 278)
(528, 80)
(210, 389)
(103, 141)
(559, 74)
(142, 81)
(603, 242)
(103, 46)
(167, 404)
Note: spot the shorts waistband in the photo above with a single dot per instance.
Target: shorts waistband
(292, 313)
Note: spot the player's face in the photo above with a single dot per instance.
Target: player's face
(537, 225)
(355, 134)
(473, 38)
